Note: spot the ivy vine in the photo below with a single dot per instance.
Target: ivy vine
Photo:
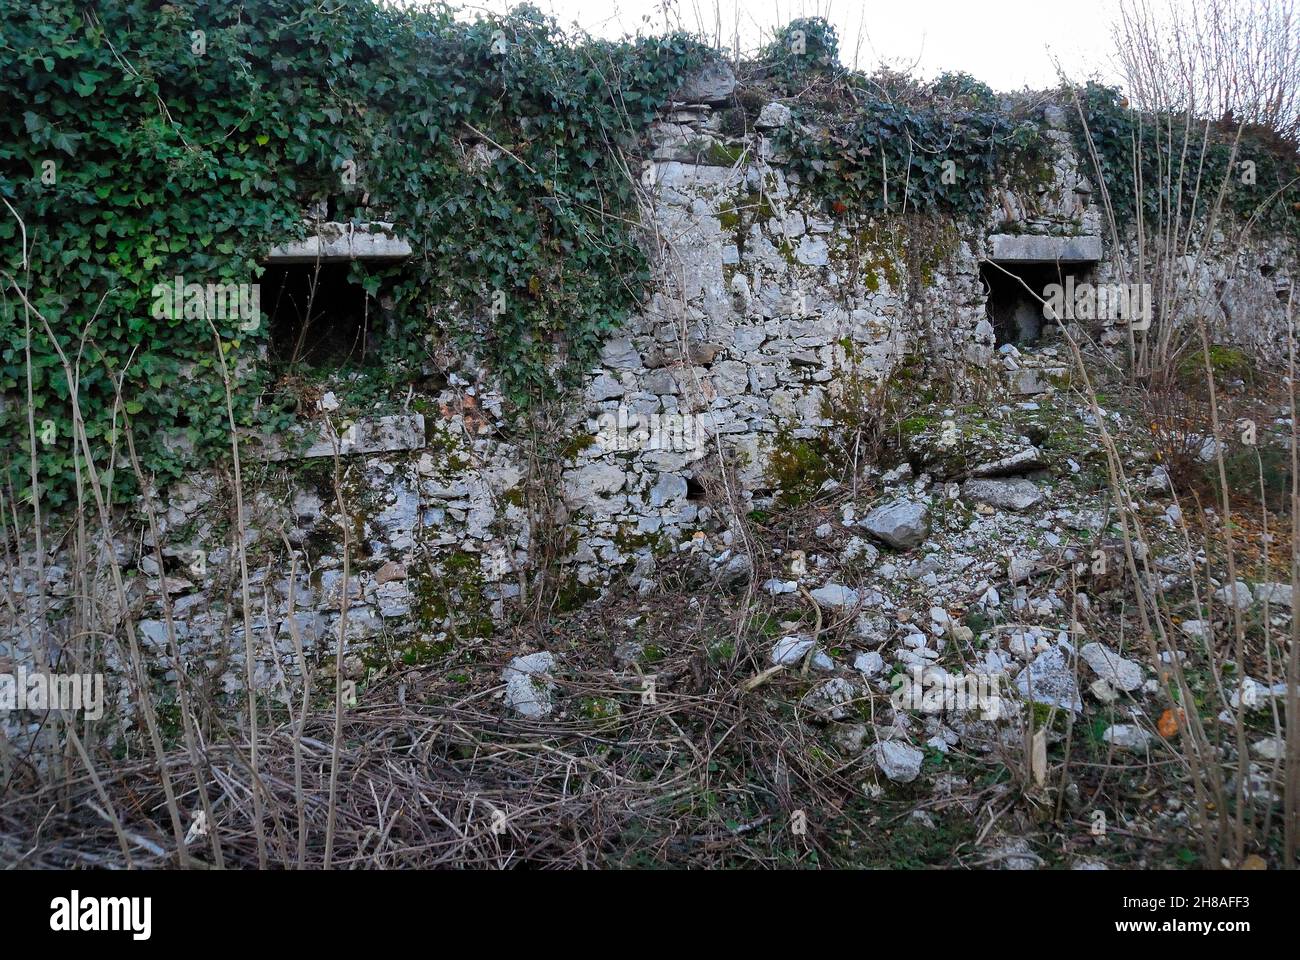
(879, 145)
(1183, 165)
(141, 141)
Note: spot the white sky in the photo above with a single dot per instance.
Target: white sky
(1008, 44)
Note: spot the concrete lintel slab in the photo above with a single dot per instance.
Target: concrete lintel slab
(343, 241)
(1027, 248)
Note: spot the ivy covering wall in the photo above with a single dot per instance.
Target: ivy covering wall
(886, 144)
(1183, 165)
(141, 141)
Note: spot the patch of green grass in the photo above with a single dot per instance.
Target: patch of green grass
(909, 845)
(913, 426)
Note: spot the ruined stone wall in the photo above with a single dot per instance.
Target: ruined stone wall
(764, 311)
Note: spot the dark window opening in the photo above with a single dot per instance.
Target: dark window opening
(1016, 314)
(317, 317)
(694, 489)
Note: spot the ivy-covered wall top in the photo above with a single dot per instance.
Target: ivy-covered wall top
(147, 145)
(1177, 167)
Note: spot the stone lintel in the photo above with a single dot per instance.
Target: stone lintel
(1027, 248)
(337, 242)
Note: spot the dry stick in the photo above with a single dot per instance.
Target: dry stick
(42, 606)
(306, 316)
(198, 761)
(37, 524)
(75, 744)
(737, 515)
(305, 673)
(84, 620)
(1291, 792)
(1270, 644)
(1202, 326)
(817, 609)
(1198, 739)
(8, 762)
(1069, 715)
(1155, 618)
(246, 598)
(1198, 603)
(110, 811)
(277, 821)
(1239, 630)
(79, 434)
(137, 671)
(1164, 355)
(1151, 628)
(338, 654)
(31, 434)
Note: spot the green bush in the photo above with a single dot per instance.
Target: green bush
(805, 46)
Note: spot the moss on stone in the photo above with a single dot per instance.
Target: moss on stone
(796, 468)
(720, 155)
(577, 443)
(728, 216)
(630, 540)
(574, 594)
(450, 593)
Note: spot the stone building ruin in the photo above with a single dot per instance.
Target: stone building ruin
(763, 309)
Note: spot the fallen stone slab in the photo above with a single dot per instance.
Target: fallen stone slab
(899, 761)
(529, 690)
(830, 699)
(403, 431)
(790, 650)
(1017, 494)
(836, 595)
(1022, 461)
(869, 664)
(1110, 666)
(1235, 595)
(1049, 680)
(1127, 736)
(1275, 594)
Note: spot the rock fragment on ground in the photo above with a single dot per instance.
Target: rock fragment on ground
(529, 689)
(902, 523)
(1049, 680)
(830, 699)
(1127, 736)
(898, 760)
(1121, 674)
(1013, 494)
(836, 596)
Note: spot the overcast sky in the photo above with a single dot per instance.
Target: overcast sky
(1008, 44)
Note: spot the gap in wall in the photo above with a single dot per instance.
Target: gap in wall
(317, 316)
(1016, 315)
